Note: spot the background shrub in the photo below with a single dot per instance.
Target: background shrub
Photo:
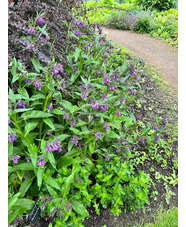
(157, 4)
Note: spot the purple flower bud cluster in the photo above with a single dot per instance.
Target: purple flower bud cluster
(77, 33)
(118, 150)
(58, 69)
(37, 83)
(106, 125)
(12, 137)
(50, 106)
(15, 158)
(157, 137)
(41, 161)
(9, 122)
(97, 134)
(103, 107)
(164, 122)
(112, 87)
(21, 104)
(84, 94)
(106, 79)
(107, 158)
(54, 146)
(31, 31)
(79, 23)
(66, 116)
(72, 123)
(49, 133)
(118, 113)
(123, 101)
(28, 159)
(104, 95)
(27, 81)
(75, 140)
(46, 37)
(40, 20)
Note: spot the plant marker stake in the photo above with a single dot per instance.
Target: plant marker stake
(34, 214)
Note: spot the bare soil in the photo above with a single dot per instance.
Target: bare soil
(155, 52)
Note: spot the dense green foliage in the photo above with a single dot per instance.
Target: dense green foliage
(162, 25)
(73, 138)
(157, 4)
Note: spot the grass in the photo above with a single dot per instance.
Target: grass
(168, 218)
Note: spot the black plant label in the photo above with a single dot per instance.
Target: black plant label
(34, 214)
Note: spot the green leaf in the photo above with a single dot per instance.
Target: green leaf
(35, 114)
(73, 78)
(145, 130)
(15, 76)
(11, 95)
(52, 159)
(73, 152)
(24, 204)
(66, 185)
(59, 112)
(52, 191)
(67, 105)
(75, 131)
(113, 135)
(49, 180)
(79, 208)
(23, 92)
(65, 161)
(12, 216)
(22, 166)
(43, 146)
(36, 97)
(10, 149)
(62, 137)
(22, 110)
(77, 53)
(39, 177)
(43, 30)
(25, 186)
(30, 126)
(13, 200)
(32, 149)
(49, 123)
(36, 64)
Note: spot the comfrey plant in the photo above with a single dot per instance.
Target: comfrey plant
(68, 123)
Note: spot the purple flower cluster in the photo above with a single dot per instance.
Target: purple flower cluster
(77, 33)
(164, 122)
(58, 69)
(49, 133)
(123, 101)
(104, 95)
(41, 161)
(107, 158)
(118, 113)
(21, 104)
(9, 122)
(75, 140)
(37, 83)
(106, 125)
(46, 37)
(14, 158)
(118, 150)
(12, 137)
(106, 79)
(112, 87)
(31, 31)
(50, 106)
(66, 116)
(84, 94)
(27, 81)
(97, 134)
(157, 137)
(72, 123)
(40, 20)
(54, 146)
(79, 23)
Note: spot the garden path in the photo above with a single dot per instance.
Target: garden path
(155, 52)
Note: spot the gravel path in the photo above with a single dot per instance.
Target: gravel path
(156, 53)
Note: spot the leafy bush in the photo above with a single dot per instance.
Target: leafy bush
(143, 23)
(68, 120)
(157, 4)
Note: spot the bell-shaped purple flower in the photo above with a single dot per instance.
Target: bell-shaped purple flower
(40, 20)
